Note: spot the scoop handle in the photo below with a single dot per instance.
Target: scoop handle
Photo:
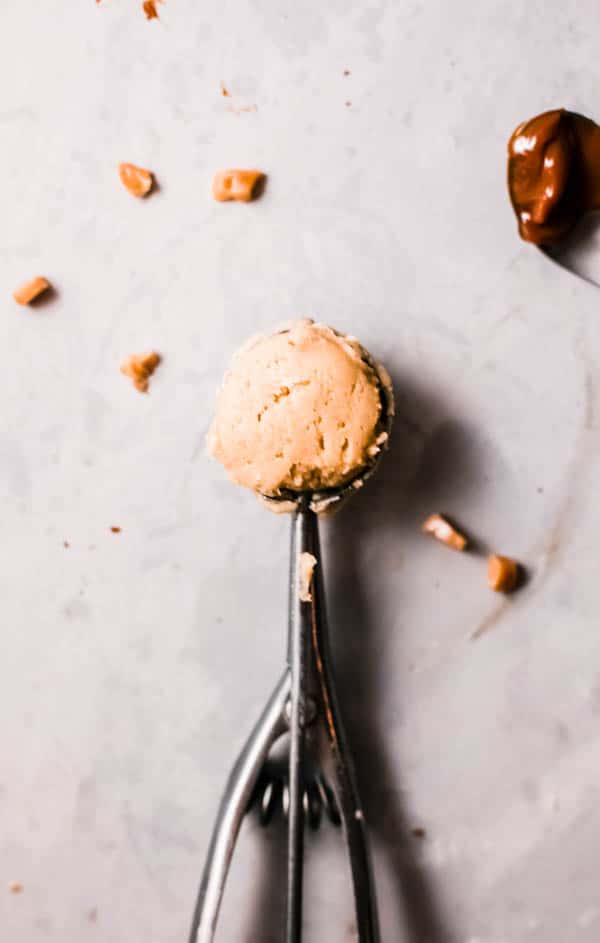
(232, 809)
(304, 540)
(313, 694)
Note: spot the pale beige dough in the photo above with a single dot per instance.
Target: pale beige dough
(299, 410)
(306, 567)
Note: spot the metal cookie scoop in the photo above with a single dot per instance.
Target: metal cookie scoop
(319, 773)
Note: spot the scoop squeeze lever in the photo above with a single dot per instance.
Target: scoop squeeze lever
(319, 772)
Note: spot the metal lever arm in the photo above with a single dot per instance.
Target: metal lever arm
(301, 665)
(343, 778)
(240, 785)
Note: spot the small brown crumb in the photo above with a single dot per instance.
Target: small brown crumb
(242, 109)
(140, 369)
(225, 91)
(503, 573)
(15, 887)
(31, 290)
(116, 530)
(137, 180)
(92, 915)
(149, 8)
(237, 185)
(348, 104)
(438, 527)
(66, 544)
(419, 832)
(346, 71)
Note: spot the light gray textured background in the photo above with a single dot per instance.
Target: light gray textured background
(132, 665)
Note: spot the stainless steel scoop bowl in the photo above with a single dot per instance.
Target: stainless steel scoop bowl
(318, 772)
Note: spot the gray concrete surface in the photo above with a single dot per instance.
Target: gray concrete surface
(133, 664)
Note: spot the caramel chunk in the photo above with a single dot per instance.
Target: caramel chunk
(503, 573)
(31, 290)
(149, 8)
(438, 527)
(136, 179)
(140, 369)
(237, 185)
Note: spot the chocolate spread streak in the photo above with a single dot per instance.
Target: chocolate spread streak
(553, 174)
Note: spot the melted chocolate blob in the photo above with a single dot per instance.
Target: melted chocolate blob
(553, 174)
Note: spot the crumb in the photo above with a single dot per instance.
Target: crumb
(503, 573)
(140, 369)
(438, 527)
(241, 109)
(66, 544)
(116, 530)
(348, 104)
(347, 72)
(149, 8)
(31, 290)
(137, 180)
(419, 832)
(92, 915)
(15, 887)
(306, 567)
(225, 91)
(240, 185)
(540, 490)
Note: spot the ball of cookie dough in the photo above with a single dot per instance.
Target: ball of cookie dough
(299, 410)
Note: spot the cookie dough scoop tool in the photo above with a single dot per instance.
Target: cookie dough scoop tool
(317, 775)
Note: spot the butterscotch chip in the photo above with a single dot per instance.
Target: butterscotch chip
(149, 8)
(438, 527)
(31, 290)
(140, 369)
(136, 179)
(503, 573)
(237, 185)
